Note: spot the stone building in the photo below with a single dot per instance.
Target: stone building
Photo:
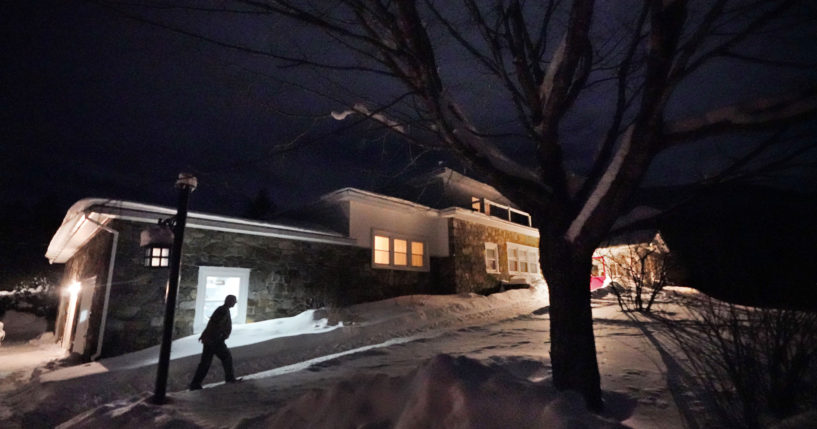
(441, 233)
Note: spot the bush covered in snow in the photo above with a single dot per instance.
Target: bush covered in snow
(37, 295)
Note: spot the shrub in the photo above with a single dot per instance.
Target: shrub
(756, 364)
(37, 295)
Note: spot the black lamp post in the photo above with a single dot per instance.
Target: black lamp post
(186, 184)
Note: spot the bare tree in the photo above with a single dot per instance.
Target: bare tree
(543, 63)
(642, 268)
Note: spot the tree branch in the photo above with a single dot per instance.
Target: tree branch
(754, 115)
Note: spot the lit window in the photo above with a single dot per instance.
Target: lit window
(417, 254)
(491, 258)
(381, 250)
(523, 259)
(157, 256)
(398, 252)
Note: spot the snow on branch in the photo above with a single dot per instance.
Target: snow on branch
(602, 188)
(363, 110)
(757, 114)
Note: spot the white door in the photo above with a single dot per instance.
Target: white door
(215, 283)
(86, 297)
(70, 315)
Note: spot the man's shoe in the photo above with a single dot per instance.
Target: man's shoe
(194, 386)
(235, 380)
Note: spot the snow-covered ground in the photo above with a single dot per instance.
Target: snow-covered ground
(451, 361)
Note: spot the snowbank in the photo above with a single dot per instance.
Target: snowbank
(308, 322)
(21, 326)
(444, 392)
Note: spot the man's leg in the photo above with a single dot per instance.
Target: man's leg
(204, 366)
(226, 358)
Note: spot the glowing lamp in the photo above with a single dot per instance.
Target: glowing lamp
(73, 288)
(156, 240)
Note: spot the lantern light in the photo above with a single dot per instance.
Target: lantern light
(157, 240)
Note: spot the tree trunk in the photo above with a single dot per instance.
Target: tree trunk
(573, 346)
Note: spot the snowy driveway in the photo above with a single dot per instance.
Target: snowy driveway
(506, 331)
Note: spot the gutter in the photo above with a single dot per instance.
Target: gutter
(108, 282)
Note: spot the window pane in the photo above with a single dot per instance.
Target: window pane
(381, 257)
(400, 254)
(417, 252)
(381, 243)
(166, 252)
(491, 257)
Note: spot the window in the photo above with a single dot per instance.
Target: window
(417, 253)
(523, 259)
(491, 258)
(389, 251)
(400, 252)
(157, 256)
(381, 249)
(215, 283)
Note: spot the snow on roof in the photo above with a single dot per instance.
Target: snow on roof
(346, 194)
(87, 216)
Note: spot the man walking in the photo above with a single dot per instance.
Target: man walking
(217, 331)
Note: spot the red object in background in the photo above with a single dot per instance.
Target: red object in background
(597, 281)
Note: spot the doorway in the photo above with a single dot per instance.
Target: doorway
(214, 284)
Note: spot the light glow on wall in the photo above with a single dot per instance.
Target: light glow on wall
(73, 288)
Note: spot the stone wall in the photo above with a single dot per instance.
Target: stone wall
(136, 307)
(89, 262)
(467, 247)
(286, 278)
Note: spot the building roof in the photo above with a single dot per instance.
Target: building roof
(88, 216)
(441, 193)
(443, 188)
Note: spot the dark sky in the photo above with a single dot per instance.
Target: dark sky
(96, 105)
(93, 104)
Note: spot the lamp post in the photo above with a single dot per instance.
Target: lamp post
(186, 184)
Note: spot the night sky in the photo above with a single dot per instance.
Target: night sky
(97, 105)
(93, 104)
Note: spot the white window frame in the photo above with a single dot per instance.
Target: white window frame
(200, 319)
(409, 256)
(525, 254)
(495, 248)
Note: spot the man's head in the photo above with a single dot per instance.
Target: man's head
(230, 301)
